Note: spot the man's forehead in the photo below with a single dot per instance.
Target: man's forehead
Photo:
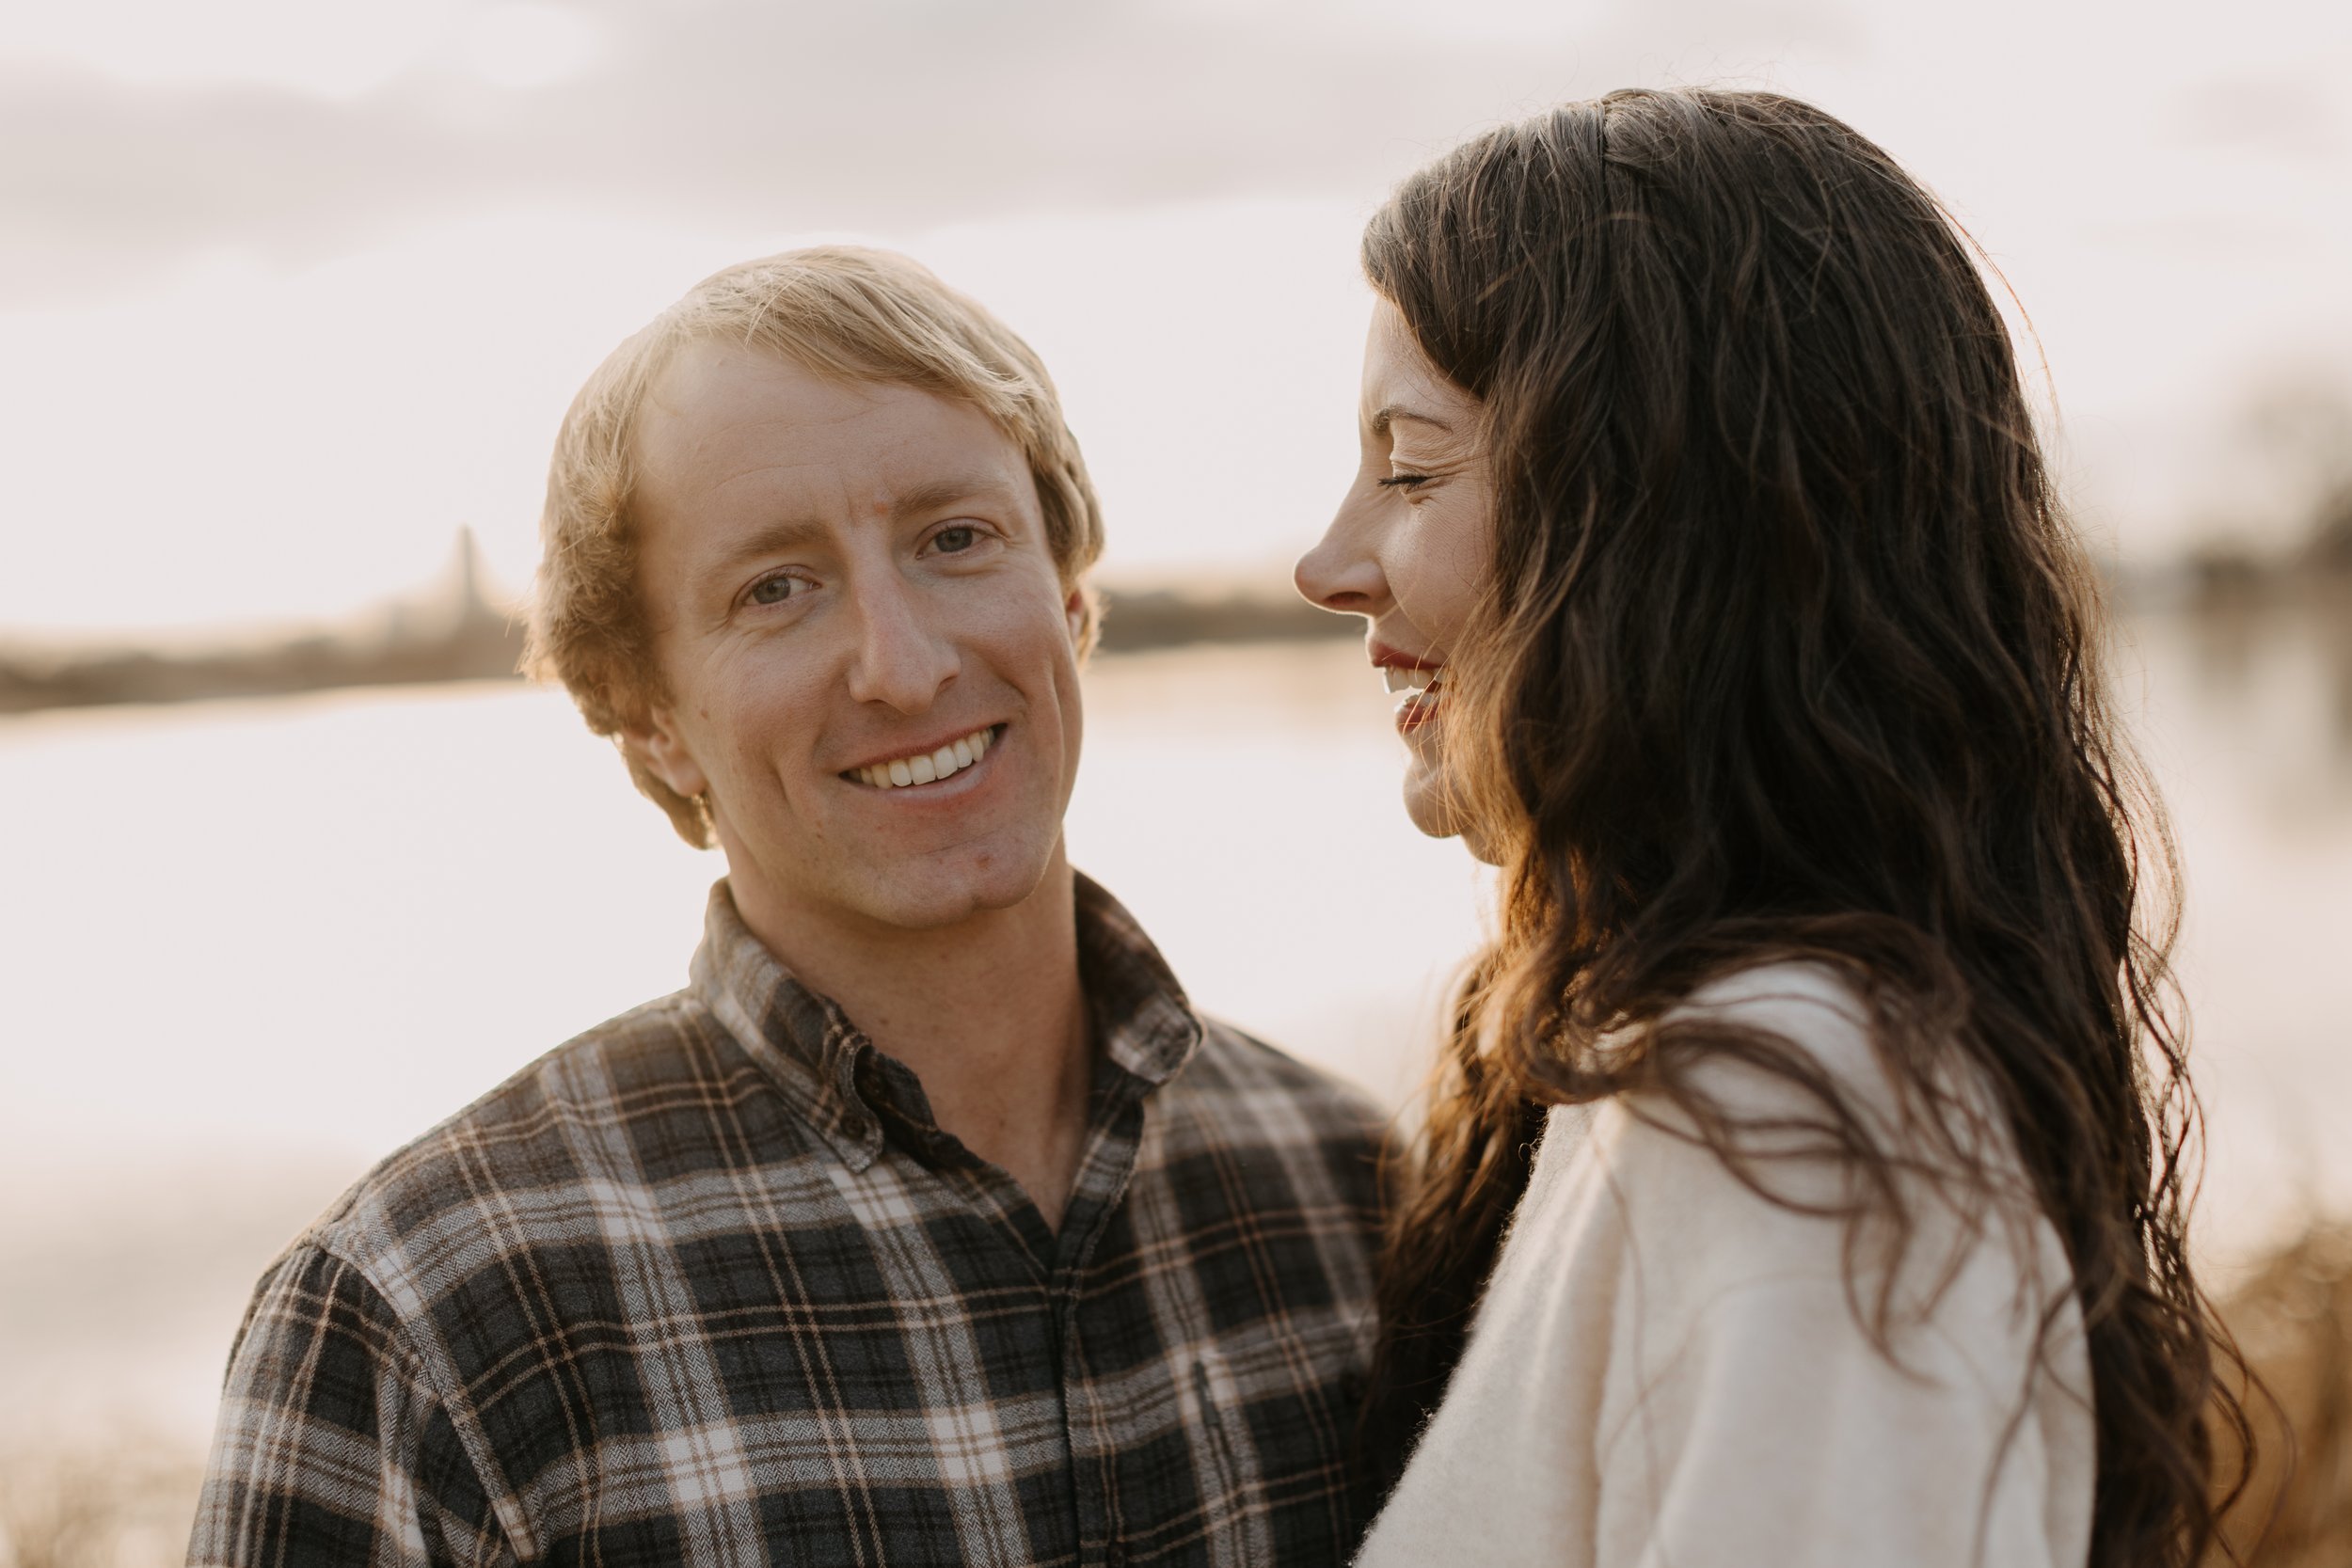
(722, 416)
(707, 386)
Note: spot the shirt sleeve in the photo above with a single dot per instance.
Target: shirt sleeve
(332, 1447)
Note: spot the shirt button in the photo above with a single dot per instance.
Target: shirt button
(852, 1125)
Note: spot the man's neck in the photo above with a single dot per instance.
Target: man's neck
(988, 1013)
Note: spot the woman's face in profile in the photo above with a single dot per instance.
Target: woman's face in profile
(1408, 548)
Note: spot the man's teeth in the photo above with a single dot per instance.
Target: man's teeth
(929, 767)
(1397, 678)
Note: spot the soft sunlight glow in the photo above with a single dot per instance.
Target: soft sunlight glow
(527, 43)
(245, 400)
(1457, 21)
(308, 441)
(295, 290)
(309, 46)
(335, 51)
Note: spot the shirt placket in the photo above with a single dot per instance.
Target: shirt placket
(1103, 1173)
(1060, 1262)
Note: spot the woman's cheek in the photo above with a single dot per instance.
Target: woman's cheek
(1440, 580)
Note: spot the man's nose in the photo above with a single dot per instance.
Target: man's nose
(1340, 574)
(902, 660)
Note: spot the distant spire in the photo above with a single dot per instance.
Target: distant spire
(469, 571)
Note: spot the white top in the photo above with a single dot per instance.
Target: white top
(1667, 1369)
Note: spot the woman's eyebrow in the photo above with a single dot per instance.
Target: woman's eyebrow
(1397, 412)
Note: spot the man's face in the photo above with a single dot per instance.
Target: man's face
(840, 577)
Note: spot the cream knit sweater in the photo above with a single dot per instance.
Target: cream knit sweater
(1667, 1371)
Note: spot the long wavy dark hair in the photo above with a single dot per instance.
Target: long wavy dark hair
(1788, 650)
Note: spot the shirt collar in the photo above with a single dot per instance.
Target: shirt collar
(1144, 1025)
(1143, 1022)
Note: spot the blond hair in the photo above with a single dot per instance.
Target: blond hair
(837, 310)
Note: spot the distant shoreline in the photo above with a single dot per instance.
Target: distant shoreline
(469, 638)
(481, 642)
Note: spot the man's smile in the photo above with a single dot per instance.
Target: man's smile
(924, 767)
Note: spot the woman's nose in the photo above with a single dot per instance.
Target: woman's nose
(1340, 574)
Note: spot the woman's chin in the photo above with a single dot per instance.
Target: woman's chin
(1424, 796)
(1437, 811)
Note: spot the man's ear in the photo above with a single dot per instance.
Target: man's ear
(658, 745)
(1074, 608)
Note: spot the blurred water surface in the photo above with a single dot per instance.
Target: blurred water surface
(249, 948)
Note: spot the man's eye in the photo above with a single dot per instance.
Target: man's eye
(955, 540)
(775, 589)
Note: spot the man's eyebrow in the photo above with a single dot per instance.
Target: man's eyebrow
(934, 494)
(1393, 412)
(786, 534)
(783, 535)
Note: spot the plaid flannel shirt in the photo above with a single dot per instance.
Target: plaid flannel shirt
(708, 1285)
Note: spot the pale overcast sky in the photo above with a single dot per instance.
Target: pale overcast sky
(289, 290)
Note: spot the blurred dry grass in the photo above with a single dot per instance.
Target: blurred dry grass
(2292, 1318)
(127, 1504)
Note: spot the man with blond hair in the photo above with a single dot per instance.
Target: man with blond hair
(929, 1224)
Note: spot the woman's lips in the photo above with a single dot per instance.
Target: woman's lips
(1424, 687)
(1418, 710)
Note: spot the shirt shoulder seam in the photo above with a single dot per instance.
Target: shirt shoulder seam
(495, 1485)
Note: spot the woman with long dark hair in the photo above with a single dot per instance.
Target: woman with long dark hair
(1805, 1179)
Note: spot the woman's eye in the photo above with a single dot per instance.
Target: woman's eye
(1403, 481)
(956, 539)
(775, 589)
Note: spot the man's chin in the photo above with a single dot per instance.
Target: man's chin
(947, 890)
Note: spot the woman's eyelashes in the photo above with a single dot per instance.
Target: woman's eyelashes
(1406, 482)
